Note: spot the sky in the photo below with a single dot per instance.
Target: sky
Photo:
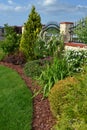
(16, 12)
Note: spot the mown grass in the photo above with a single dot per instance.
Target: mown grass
(15, 102)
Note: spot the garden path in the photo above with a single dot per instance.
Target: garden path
(42, 116)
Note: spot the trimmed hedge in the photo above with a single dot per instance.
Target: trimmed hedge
(68, 103)
(59, 96)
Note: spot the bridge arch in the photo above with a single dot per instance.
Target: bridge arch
(51, 25)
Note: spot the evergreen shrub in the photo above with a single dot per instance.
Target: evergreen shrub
(68, 103)
(32, 27)
(58, 95)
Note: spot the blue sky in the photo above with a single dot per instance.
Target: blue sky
(15, 12)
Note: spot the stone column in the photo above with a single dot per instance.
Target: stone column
(64, 30)
(22, 29)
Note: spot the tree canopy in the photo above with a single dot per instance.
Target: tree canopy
(81, 30)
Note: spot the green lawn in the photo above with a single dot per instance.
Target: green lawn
(15, 102)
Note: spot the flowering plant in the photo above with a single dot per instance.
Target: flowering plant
(48, 46)
(76, 59)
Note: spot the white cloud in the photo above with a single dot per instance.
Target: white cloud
(16, 8)
(59, 7)
(56, 7)
(81, 7)
(10, 2)
(20, 8)
(4, 7)
(48, 2)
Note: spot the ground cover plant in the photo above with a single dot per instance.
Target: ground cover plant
(15, 102)
(34, 68)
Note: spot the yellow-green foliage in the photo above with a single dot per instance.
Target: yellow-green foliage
(32, 27)
(68, 102)
(57, 96)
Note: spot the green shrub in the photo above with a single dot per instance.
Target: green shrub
(11, 42)
(34, 68)
(2, 54)
(65, 123)
(58, 92)
(68, 103)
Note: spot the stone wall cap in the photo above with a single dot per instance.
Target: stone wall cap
(66, 23)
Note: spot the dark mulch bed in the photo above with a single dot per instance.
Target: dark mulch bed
(42, 116)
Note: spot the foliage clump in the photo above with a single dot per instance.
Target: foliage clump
(32, 28)
(57, 95)
(56, 71)
(34, 68)
(48, 46)
(12, 40)
(76, 59)
(68, 103)
(81, 30)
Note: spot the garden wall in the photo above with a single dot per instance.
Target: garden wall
(72, 45)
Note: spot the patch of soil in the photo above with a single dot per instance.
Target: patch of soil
(42, 116)
(15, 58)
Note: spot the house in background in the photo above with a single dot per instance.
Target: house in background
(18, 29)
(64, 30)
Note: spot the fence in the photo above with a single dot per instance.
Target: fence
(77, 27)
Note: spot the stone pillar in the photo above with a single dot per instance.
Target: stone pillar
(64, 29)
(22, 29)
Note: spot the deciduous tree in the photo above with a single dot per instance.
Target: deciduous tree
(81, 30)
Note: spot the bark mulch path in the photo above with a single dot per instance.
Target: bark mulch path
(42, 116)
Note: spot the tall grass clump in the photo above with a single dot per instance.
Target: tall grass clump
(56, 71)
